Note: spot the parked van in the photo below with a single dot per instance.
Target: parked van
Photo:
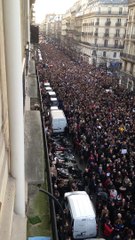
(58, 121)
(48, 88)
(51, 94)
(47, 84)
(81, 214)
(53, 108)
(53, 101)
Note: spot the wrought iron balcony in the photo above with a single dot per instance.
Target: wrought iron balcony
(109, 13)
(118, 24)
(133, 36)
(107, 23)
(96, 34)
(128, 56)
(106, 34)
(117, 35)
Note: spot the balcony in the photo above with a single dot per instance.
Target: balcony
(91, 24)
(118, 24)
(127, 36)
(77, 33)
(109, 13)
(128, 56)
(133, 36)
(90, 33)
(117, 35)
(106, 34)
(108, 23)
(96, 34)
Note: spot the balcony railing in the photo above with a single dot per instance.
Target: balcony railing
(117, 24)
(91, 24)
(111, 13)
(127, 36)
(96, 34)
(108, 23)
(106, 34)
(128, 56)
(117, 35)
(100, 46)
(133, 36)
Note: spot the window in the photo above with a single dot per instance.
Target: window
(104, 54)
(108, 22)
(120, 10)
(97, 21)
(116, 43)
(94, 53)
(118, 23)
(106, 43)
(114, 54)
(119, 20)
(109, 10)
(117, 32)
(107, 31)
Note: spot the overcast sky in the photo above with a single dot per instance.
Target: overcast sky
(51, 6)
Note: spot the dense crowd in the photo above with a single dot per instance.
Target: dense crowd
(101, 125)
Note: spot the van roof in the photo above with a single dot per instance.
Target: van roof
(57, 114)
(51, 93)
(53, 99)
(80, 205)
(48, 88)
(47, 84)
(54, 108)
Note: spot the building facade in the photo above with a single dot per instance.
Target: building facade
(53, 27)
(97, 29)
(128, 54)
(15, 34)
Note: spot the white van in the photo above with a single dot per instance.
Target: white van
(81, 214)
(51, 94)
(48, 88)
(58, 121)
(47, 84)
(54, 108)
(54, 101)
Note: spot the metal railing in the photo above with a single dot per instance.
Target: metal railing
(127, 56)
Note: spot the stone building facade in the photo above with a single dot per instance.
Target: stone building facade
(14, 35)
(128, 54)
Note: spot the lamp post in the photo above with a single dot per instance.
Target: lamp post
(60, 206)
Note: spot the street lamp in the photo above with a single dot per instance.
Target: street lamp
(60, 206)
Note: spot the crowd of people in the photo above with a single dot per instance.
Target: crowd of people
(101, 126)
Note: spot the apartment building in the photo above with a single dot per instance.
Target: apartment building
(104, 26)
(14, 36)
(52, 25)
(98, 30)
(128, 54)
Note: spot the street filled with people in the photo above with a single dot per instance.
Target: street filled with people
(100, 132)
